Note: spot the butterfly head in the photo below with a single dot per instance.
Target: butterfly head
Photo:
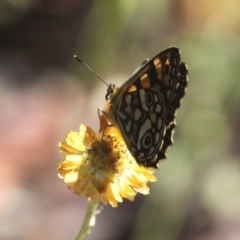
(111, 90)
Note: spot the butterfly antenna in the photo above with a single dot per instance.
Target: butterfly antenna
(79, 60)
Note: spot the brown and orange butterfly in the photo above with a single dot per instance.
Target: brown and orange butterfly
(144, 108)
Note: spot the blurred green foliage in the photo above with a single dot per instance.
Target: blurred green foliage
(11, 12)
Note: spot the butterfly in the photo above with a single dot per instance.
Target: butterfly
(144, 108)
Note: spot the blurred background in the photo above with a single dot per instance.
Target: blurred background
(44, 93)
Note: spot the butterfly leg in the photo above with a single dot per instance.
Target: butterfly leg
(102, 112)
(99, 112)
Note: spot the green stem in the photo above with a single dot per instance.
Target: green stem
(86, 226)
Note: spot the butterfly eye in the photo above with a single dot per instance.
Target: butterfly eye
(109, 91)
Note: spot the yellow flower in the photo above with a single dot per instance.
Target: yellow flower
(101, 167)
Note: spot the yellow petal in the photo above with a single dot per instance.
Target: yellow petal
(100, 166)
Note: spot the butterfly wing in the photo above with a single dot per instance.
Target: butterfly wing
(144, 107)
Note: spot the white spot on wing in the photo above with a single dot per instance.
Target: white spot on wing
(128, 126)
(158, 108)
(143, 100)
(157, 136)
(137, 114)
(153, 117)
(159, 123)
(121, 115)
(128, 109)
(128, 99)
